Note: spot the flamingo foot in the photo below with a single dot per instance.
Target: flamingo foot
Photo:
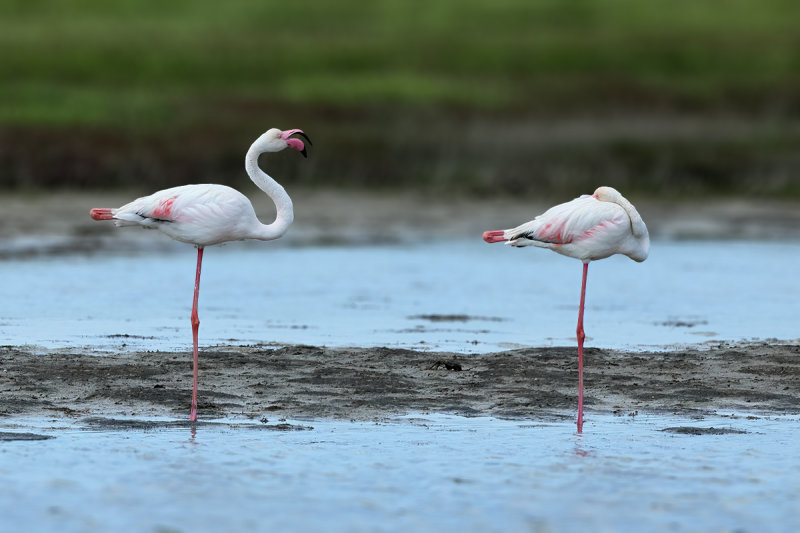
(497, 235)
(101, 213)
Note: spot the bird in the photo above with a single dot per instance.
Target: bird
(588, 228)
(209, 214)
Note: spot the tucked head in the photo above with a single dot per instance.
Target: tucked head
(275, 140)
(607, 194)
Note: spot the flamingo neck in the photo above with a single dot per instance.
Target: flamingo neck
(638, 227)
(639, 230)
(273, 189)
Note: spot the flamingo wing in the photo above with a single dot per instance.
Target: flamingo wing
(149, 211)
(568, 222)
(179, 204)
(197, 214)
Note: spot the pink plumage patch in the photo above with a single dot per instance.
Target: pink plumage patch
(592, 231)
(101, 213)
(551, 234)
(164, 209)
(494, 236)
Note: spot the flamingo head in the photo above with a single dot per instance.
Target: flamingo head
(606, 194)
(275, 140)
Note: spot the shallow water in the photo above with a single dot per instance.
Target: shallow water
(423, 472)
(482, 298)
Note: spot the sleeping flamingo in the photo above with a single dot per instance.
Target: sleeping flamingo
(587, 228)
(209, 214)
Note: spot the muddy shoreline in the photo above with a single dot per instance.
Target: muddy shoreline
(327, 218)
(298, 381)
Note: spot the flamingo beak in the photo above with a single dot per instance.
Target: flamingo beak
(297, 144)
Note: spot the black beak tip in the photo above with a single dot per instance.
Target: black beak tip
(304, 136)
(303, 151)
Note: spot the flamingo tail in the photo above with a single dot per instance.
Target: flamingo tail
(101, 213)
(497, 235)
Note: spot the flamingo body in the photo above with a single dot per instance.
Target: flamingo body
(202, 215)
(209, 214)
(588, 228)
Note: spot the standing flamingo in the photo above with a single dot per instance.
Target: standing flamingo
(587, 228)
(209, 214)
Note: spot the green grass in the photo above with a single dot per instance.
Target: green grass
(134, 62)
(401, 93)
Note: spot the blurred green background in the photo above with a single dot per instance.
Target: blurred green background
(473, 97)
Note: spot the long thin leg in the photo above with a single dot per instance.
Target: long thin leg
(195, 328)
(581, 336)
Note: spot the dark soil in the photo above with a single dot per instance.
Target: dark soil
(368, 383)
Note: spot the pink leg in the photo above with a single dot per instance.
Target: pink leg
(581, 336)
(195, 328)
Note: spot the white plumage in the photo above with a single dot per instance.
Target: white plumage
(203, 215)
(587, 228)
(209, 214)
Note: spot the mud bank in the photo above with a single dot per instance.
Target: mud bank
(327, 218)
(368, 383)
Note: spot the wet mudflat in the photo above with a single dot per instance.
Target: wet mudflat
(368, 383)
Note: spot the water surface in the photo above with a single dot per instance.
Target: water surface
(422, 472)
(464, 296)
(427, 472)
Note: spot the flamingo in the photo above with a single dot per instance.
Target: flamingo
(209, 214)
(587, 228)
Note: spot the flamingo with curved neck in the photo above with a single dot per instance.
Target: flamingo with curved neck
(209, 214)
